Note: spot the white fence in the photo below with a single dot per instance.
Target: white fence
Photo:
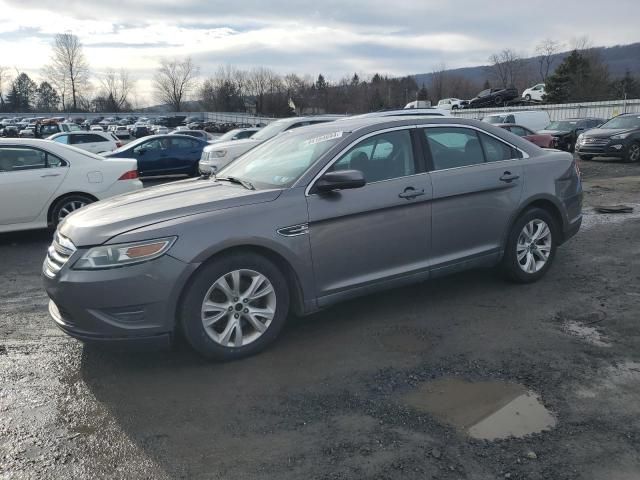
(604, 110)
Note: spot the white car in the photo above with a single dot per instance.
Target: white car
(161, 130)
(28, 132)
(534, 93)
(451, 103)
(217, 155)
(94, 142)
(97, 128)
(42, 182)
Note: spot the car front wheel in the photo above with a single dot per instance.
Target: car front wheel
(531, 246)
(235, 306)
(633, 153)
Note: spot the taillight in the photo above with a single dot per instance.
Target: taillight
(119, 144)
(130, 175)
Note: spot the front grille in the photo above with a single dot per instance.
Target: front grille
(595, 141)
(58, 255)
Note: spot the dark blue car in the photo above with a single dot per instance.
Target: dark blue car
(163, 154)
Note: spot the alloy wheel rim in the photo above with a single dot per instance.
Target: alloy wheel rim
(70, 207)
(238, 308)
(634, 153)
(534, 246)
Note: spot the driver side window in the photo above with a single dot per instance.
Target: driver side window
(381, 157)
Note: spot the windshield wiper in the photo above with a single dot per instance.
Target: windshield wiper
(245, 183)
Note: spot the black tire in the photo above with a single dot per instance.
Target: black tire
(510, 265)
(196, 291)
(454, 107)
(498, 100)
(633, 153)
(585, 157)
(64, 203)
(527, 97)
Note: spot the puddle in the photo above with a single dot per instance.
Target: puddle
(586, 333)
(484, 410)
(591, 218)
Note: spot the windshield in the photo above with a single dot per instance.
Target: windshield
(623, 122)
(279, 162)
(271, 130)
(496, 119)
(562, 125)
(130, 145)
(227, 136)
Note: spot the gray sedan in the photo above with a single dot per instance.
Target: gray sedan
(312, 217)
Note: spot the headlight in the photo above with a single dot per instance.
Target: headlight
(218, 153)
(580, 138)
(622, 136)
(110, 256)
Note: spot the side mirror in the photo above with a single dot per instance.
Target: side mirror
(141, 151)
(340, 180)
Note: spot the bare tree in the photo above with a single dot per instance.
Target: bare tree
(506, 67)
(546, 51)
(258, 83)
(117, 86)
(174, 81)
(438, 82)
(5, 79)
(69, 69)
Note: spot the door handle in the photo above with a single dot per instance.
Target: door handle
(508, 177)
(50, 175)
(411, 193)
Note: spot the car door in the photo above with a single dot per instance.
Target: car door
(477, 184)
(362, 236)
(153, 156)
(185, 154)
(27, 183)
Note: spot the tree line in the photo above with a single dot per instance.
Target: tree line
(68, 84)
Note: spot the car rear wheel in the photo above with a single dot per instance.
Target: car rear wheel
(531, 246)
(527, 97)
(498, 100)
(66, 205)
(633, 153)
(235, 306)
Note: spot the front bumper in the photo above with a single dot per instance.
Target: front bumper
(613, 148)
(134, 303)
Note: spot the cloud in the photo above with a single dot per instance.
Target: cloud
(332, 37)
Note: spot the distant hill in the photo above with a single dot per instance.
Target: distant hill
(619, 59)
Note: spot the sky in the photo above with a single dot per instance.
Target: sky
(335, 38)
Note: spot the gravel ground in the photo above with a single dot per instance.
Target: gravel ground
(328, 400)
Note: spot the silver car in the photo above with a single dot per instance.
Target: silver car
(312, 217)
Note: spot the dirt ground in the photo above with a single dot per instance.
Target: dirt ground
(340, 394)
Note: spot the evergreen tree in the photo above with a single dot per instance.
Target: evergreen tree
(47, 98)
(22, 96)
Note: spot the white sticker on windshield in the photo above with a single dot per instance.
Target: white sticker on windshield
(323, 138)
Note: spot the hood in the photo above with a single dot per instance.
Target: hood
(606, 132)
(100, 221)
(244, 143)
(557, 133)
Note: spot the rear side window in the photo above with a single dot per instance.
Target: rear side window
(15, 159)
(64, 139)
(495, 150)
(453, 147)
